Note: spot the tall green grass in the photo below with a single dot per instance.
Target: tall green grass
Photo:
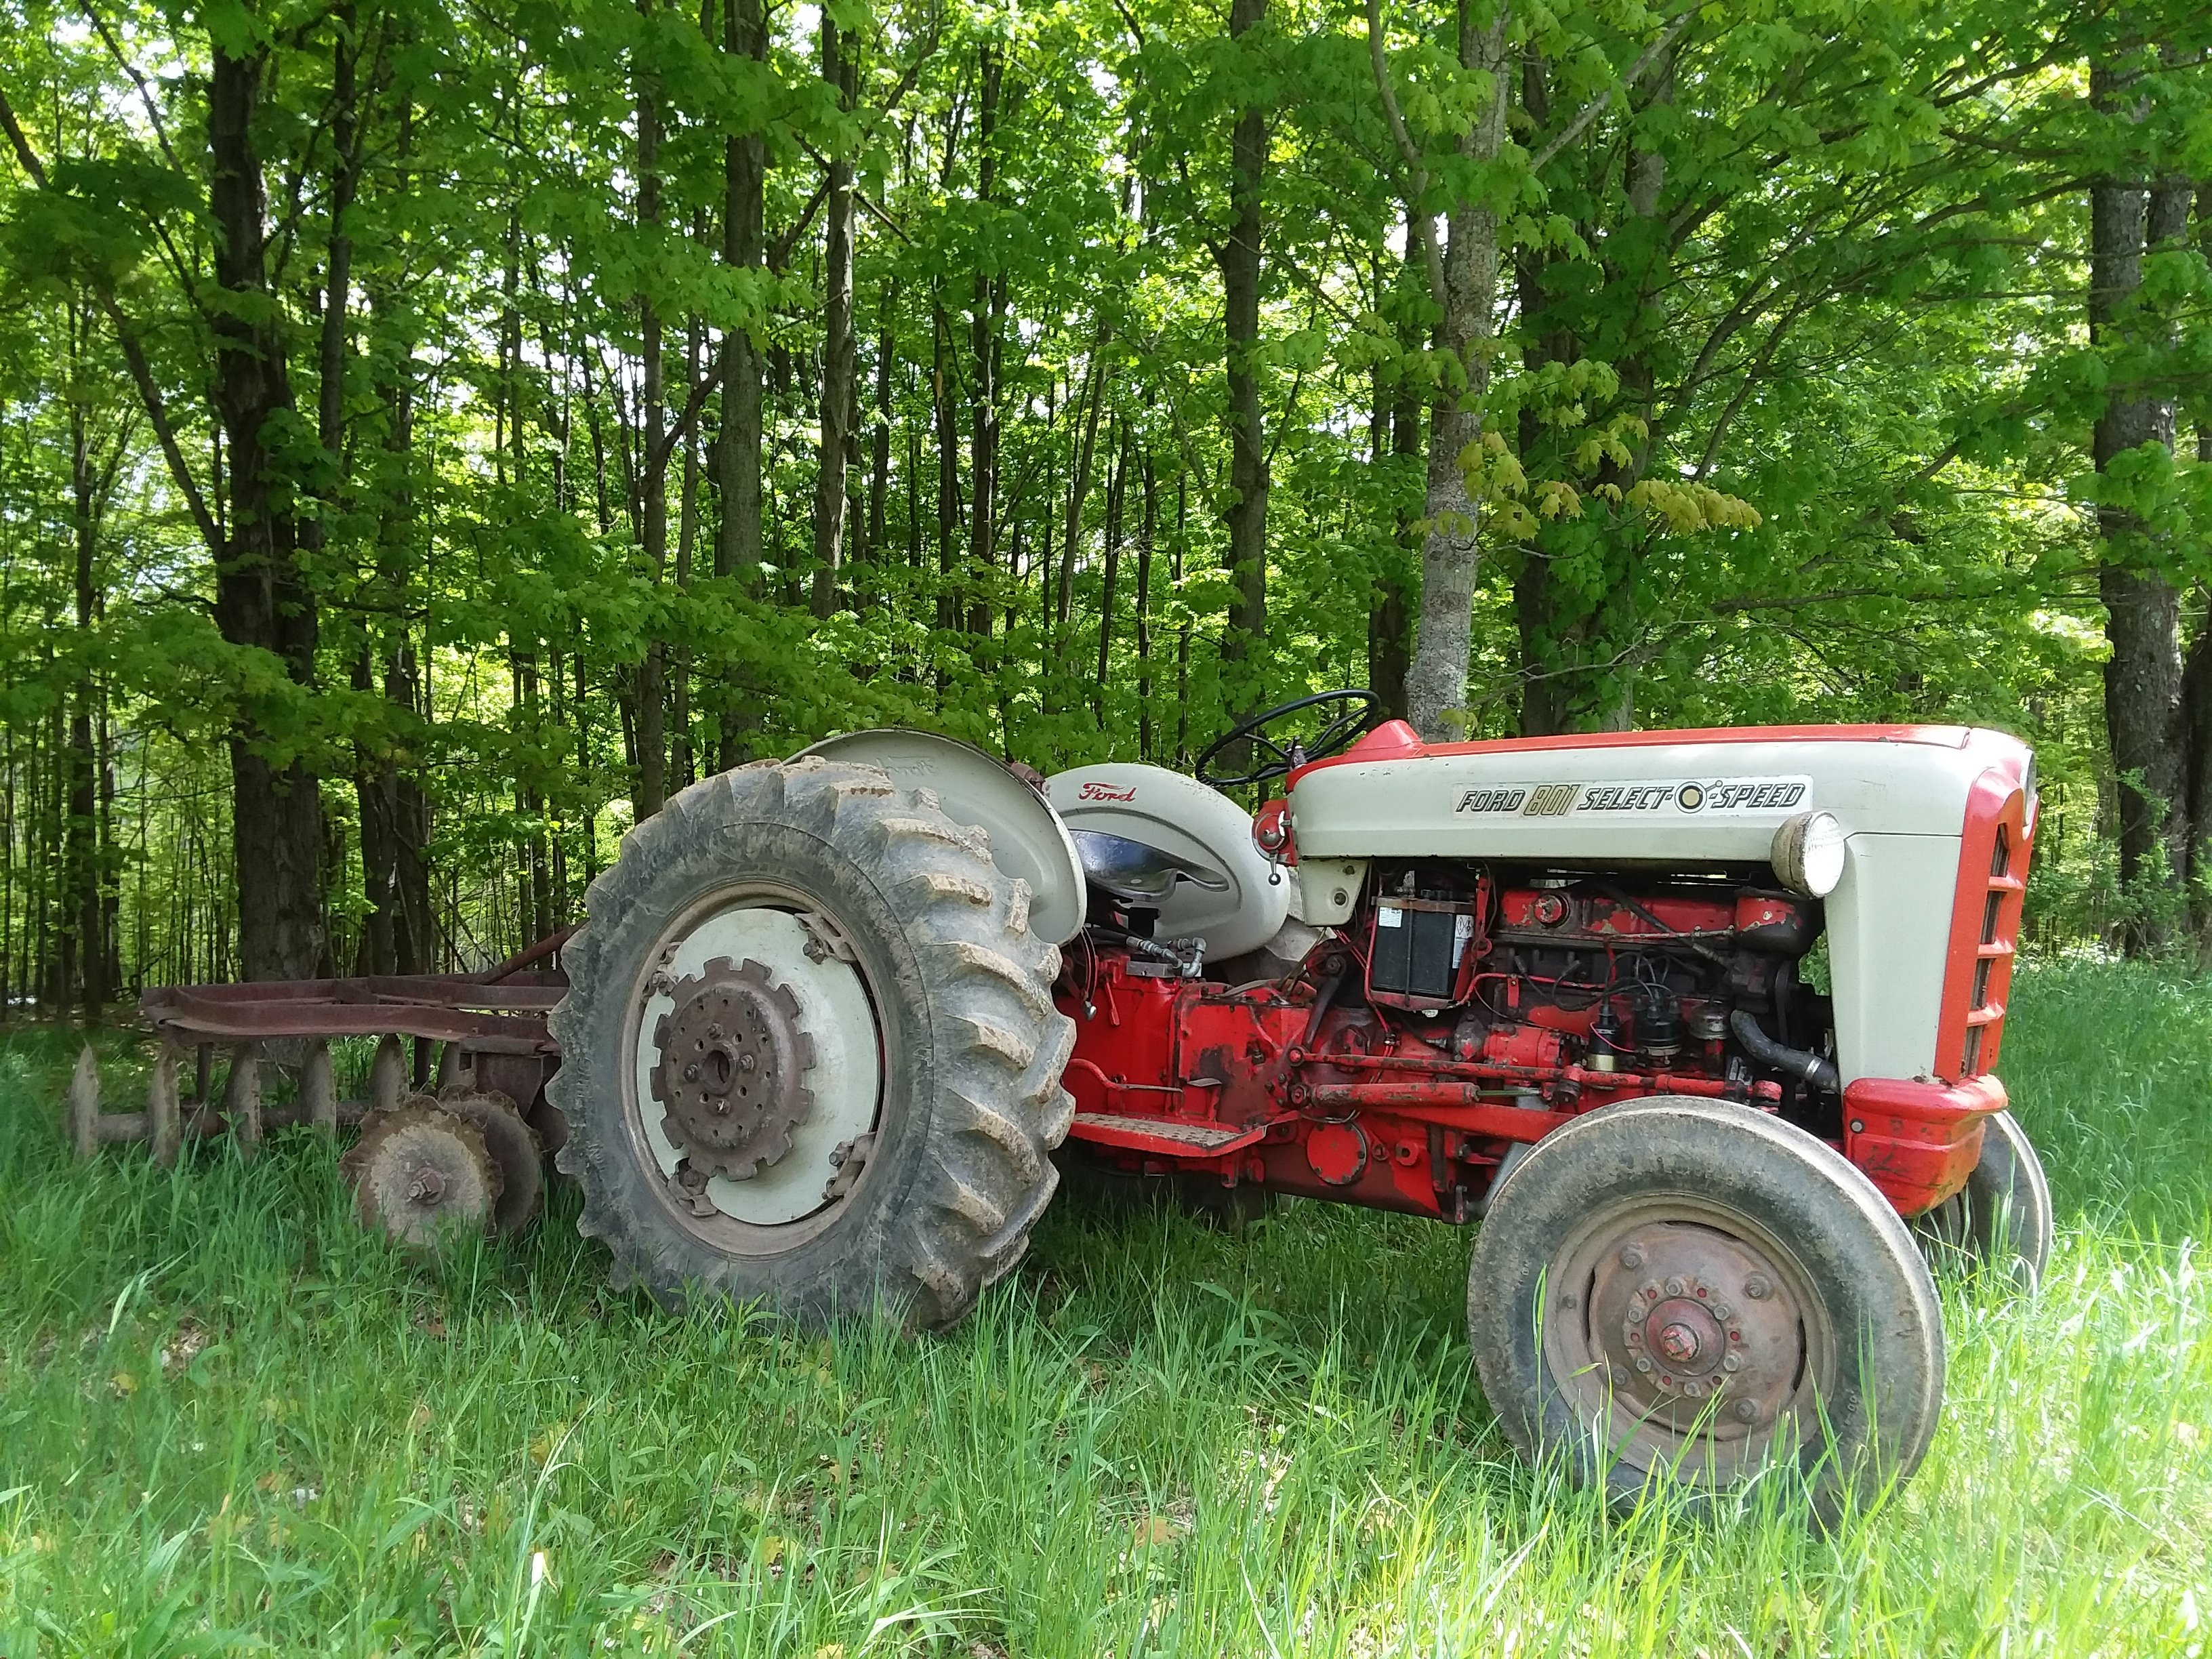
(228, 1420)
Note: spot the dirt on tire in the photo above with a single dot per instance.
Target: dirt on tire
(1845, 1255)
(972, 1048)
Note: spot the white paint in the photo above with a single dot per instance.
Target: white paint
(1203, 827)
(846, 1077)
(1328, 889)
(1889, 933)
(1408, 808)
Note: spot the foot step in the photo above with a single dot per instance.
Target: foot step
(1175, 1137)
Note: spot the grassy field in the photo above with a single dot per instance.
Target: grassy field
(230, 1420)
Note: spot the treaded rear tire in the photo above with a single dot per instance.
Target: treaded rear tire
(1831, 1234)
(972, 1048)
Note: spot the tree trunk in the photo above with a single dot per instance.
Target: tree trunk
(737, 442)
(1078, 490)
(880, 440)
(1436, 681)
(1117, 486)
(840, 70)
(652, 471)
(2145, 722)
(948, 464)
(1245, 636)
(84, 939)
(1576, 637)
(984, 324)
(1147, 529)
(262, 599)
(687, 537)
(1396, 436)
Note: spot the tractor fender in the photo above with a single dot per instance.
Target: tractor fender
(1199, 826)
(1028, 841)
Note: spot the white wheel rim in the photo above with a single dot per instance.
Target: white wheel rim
(846, 1077)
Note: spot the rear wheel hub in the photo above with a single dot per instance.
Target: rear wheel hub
(731, 1055)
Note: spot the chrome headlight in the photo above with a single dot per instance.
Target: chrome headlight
(1808, 854)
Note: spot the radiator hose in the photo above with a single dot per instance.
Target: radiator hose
(1820, 1073)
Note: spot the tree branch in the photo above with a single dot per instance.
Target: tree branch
(1432, 258)
(1596, 106)
(701, 389)
(134, 354)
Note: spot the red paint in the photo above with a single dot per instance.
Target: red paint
(1271, 832)
(1918, 1141)
(1192, 1053)
(1984, 923)
(1537, 914)
(1338, 1153)
(1397, 1110)
(1394, 740)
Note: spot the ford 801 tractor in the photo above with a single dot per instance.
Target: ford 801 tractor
(1698, 1029)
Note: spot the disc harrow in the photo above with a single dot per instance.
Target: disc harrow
(479, 1041)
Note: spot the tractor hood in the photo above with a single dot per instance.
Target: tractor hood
(1639, 797)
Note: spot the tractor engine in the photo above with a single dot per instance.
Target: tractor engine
(1462, 1012)
(1550, 971)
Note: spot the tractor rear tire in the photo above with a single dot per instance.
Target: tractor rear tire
(2000, 1220)
(928, 1200)
(1680, 1295)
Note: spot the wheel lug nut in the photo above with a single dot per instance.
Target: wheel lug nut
(1747, 1411)
(1644, 1362)
(1622, 1376)
(1732, 1363)
(1674, 1287)
(1632, 1257)
(691, 1072)
(1758, 1287)
(1723, 1312)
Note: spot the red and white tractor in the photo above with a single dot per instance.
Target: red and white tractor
(1699, 1027)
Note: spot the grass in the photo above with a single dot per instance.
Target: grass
(228, 1420)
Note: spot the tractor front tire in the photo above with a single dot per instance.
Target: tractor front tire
(841, 947)
(1680, 1295)
(2000, 1220)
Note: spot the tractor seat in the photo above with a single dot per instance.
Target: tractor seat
(1136, 873)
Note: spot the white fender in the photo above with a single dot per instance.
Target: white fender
(1027, 837)
(1182, 817)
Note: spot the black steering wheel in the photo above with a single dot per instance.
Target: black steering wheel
(1271, 759)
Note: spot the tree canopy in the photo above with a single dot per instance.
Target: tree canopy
(430, 436)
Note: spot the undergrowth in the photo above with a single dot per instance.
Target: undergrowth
(230, 1419)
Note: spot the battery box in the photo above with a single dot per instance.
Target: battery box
(1421, 951)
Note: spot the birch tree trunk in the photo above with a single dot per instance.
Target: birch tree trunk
(1436, 680)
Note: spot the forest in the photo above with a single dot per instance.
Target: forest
(432, 435)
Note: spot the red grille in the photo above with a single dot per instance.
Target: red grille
(1984, 924)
